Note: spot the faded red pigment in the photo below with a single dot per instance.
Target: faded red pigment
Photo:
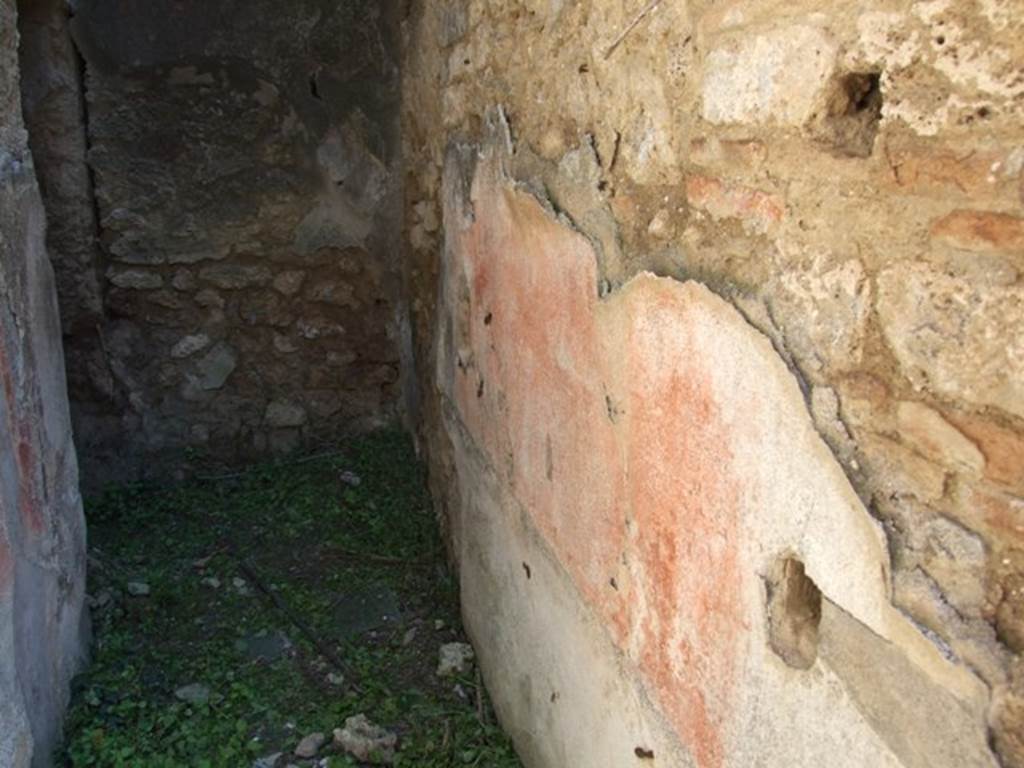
(29, 506)
(686, 515)
(541, 363)
(604, 424)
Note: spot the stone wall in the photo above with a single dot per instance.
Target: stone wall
(718, 329)
(243, 170)
(42, 534)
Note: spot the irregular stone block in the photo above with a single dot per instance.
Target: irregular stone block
(216, 366)
(289, 282)
(235, 276)
(135, 278)
(823, 312)
(897, 470)
(189, 345)
(284, 413)
(954, 337)
(778, 76)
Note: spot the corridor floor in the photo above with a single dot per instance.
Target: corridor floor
(239, 614)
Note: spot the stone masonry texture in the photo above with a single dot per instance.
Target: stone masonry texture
(243, 252)
(665, 261)
(42, 533)
(708, 316)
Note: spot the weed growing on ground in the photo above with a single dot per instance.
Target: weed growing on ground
(312, 533)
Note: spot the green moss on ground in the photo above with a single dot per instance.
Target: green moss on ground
(310, 537)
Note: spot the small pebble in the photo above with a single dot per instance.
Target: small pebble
(409, 636)
(350, 478)
(335, 679)
(195, 693)
(310, 745)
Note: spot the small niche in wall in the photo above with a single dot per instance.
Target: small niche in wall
(852, 113)
(794, 613)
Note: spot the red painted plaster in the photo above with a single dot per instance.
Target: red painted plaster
(23, 437)
(601, 417)
(684, 502)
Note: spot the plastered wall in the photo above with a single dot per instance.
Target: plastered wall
(717, 314)
(43, 625)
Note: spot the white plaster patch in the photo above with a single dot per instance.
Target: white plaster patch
(776, 77)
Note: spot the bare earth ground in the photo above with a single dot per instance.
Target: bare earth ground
(281, 601)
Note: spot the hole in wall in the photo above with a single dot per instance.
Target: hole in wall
(794, 613)
(852, 114)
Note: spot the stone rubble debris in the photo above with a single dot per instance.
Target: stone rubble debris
(138, 589)
(455, 659)
(366, 741)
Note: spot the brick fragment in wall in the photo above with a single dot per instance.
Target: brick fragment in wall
(981, 231)
(932, 436)
(949, 171)
(1000, 515)
(756, 210)
(1002, 447)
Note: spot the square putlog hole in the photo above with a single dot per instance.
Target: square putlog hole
(852, 114)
